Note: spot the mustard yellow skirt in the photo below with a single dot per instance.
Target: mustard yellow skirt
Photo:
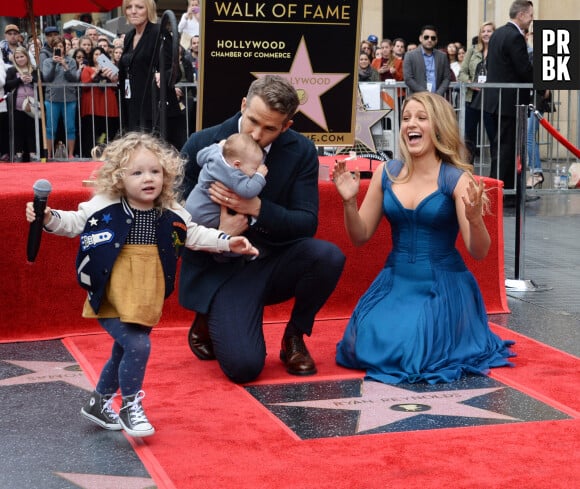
(136, 290)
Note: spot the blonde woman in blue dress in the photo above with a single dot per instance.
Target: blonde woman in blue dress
(423, 318)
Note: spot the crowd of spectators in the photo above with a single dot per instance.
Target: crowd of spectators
(81, 105)
(383, 57)
(427, 67)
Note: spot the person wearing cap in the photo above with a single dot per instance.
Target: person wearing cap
(374, 40)
(50, 32)
(10, 43)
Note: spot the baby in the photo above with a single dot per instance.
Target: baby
(237, 163)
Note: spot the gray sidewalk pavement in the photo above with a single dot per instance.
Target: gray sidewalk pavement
(551, 260)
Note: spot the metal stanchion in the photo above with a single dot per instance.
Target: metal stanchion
(518, 284)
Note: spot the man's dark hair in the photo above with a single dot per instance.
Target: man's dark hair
(429, 27)
(277, 93)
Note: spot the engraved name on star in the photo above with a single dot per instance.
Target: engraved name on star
(309, 85)
(383, 404)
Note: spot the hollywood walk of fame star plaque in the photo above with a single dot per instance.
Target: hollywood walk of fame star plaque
(357, 407)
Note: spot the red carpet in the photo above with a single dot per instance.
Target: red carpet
(45, 300)
(214, 434)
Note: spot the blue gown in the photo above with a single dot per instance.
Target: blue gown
(423, 317)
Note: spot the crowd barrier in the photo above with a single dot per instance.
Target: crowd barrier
(100, 129)
(563, 117)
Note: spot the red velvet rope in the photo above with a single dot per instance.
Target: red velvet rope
(553, 131)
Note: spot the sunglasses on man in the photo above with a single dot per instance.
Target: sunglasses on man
(426, 38)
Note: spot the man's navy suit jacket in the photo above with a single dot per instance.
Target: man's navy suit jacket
(289, 209)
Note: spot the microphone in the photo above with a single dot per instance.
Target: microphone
(41, 190)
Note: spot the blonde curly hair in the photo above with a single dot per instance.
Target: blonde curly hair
(116, 157)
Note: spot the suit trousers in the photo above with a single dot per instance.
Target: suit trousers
(307, 270)
(473, 119)
(503, 160)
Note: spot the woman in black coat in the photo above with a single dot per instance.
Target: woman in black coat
(139, 62)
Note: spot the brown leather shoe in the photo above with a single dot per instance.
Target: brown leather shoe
(295, 356)
(199, 340)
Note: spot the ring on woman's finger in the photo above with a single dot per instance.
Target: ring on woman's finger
(472, 204)
(227, 199)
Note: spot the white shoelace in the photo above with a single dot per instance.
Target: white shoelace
(108, 408)
(136, 411)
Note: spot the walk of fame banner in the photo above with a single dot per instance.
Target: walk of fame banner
(313, 43)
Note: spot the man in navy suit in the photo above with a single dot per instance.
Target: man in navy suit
(426, 68)
(508, 62)
(229, 297)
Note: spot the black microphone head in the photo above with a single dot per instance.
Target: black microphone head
(42, 188)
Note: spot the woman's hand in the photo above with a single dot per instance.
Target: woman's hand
(472, 225)
(346, 183)
(473, 200)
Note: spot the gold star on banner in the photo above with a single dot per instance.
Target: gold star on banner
(68, 372)
(383, 404)
(309, 85)
(365, 120)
